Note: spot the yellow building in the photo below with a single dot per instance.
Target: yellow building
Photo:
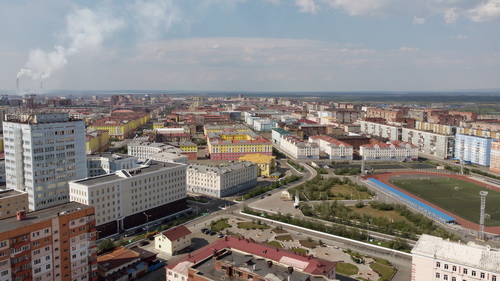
(120, 126)
(478, 133)
(265, 163)
(159, 125)
(229, 128)
(97, 141)
(12, 201)
(233, 145)
(173, 240)
(1, 144)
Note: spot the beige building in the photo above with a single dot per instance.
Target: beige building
(128, 198)
(442, 260)
(173, 240)
(12, 201)
(495, 157)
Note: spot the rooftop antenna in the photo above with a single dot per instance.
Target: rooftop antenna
(482, 214)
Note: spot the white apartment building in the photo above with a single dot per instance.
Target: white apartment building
(106, 163)
(333, 148)
(132, 197)
(170, 157)
(144, 149)
(43, 152)
(220, 181)
(298, 148)
(381, 130)
(473, 148)
(397, 151)
(435, 259)
(429, 143)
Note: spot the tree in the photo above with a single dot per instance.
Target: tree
(105, 245)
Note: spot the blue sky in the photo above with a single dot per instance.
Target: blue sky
(250, 45)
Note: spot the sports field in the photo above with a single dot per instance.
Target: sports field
(454, 195)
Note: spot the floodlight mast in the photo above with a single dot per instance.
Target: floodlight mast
(483, 194)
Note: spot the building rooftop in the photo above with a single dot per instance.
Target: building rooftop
(110, 156)
(9, 193)
(473, 255)
(219, 169)
(332, 141)
(117, 258)
(12, 223)
(257, 158)
(245, 253)
(152, 166)
(176, 232)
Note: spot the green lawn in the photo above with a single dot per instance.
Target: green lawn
(299, 250)
(454, 195)
(275, 244)
(220, 225)
(347, 269)
(385, 271)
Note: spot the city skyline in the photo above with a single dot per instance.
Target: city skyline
(259, 45)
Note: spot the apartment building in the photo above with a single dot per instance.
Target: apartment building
(43, 152)
(435, 259)
(106, 163)
(266, 164)
(225, 128)
(233, 145)
(436, 128)
(220, 181)
(495, 157)
(474, 149)
(12, 201)
(380, 130)
(277, 133)
(298, 148)
(396, 151)
(121, 125)
(145, 150)
(389, 114)
(96, 141)
(56, 243)
(429, 143)
(132, 197)
(333, 148)
(236, 258)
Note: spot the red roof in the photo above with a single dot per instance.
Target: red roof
(313, 265)
(176, 232)
(330, 140)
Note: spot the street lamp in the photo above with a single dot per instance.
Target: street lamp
(147, 221)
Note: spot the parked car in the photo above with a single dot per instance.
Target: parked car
(207, 231)
(212, 233)
(204, 229)
(144, 243)
(220, 235)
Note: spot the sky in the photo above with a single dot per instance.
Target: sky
(250, 45)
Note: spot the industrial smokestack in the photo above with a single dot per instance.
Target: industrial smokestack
(17, 84)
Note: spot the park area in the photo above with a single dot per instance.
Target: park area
(454, 195)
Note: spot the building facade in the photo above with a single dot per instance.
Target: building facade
(220, 181)
(173, 240)
(495, 157)
(430, 144)
(397, 151)
(56, 243)
(298, 148)
(97, 141)
(12, 201)
(440, 260)
(333, 148)
(129, 198)
(266, 164)
(380, 130)
(233, 145)
(277, 133)
(43, 152)
(474, 149)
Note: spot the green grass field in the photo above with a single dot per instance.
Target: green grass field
(454, 195)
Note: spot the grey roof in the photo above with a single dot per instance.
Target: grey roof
(152, 167)
(471, 254)
(220, 169)
(12, 223)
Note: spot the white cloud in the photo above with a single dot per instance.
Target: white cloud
(307, 6)
(451, 15)
(358, 7)
(155, 17)
(86, 30)
(408, 49)
(486, 11)
(418, 21)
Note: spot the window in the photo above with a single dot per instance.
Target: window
(454, 268)
(465, 270)
(438, 275)
(482, 274)
(438, 264)
(494, 278)
(445, 277)
(473, 273)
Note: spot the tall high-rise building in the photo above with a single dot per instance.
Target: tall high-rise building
(43, 152)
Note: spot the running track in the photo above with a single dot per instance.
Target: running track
(465, 223)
